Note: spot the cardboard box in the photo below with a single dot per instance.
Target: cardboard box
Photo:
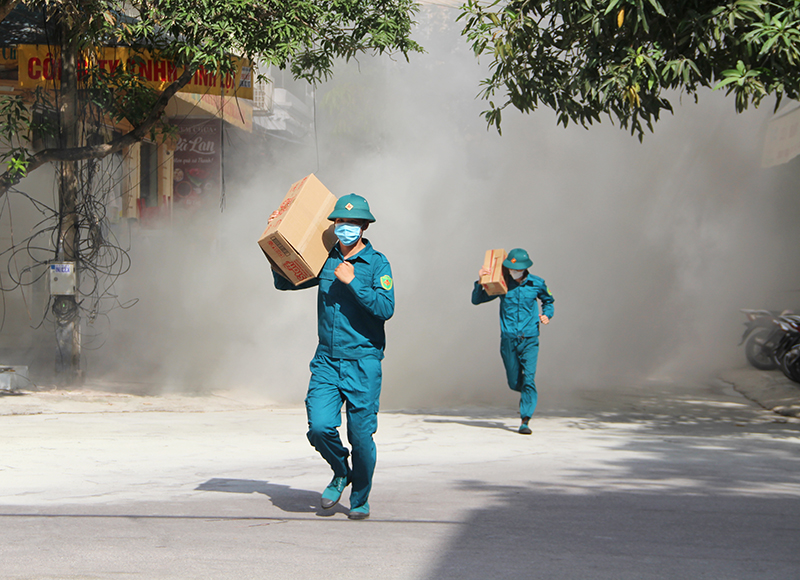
(494, 283)
(298, 240)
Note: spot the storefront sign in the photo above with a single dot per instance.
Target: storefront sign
(198, 163)
(39, 65)
(8, 57)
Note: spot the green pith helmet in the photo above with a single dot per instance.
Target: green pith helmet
(351, 206)
(517, 259)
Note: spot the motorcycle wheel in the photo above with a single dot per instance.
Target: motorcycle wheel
(754, 351)
(790, 364)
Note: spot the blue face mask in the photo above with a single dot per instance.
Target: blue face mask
(348, 234)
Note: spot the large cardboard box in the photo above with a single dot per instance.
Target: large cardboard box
(298, 240)
(494, 283)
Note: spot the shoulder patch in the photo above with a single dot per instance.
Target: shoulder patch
(386, 282)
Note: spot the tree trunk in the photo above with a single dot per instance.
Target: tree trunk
(65, 308)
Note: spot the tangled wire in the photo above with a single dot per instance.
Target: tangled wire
(100, 257)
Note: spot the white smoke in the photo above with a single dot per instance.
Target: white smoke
(649, 249)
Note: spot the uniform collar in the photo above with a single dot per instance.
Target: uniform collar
(366, 254)
(523, 283)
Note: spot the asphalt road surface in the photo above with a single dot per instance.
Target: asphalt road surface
(655, 482)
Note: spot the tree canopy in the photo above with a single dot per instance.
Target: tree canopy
(306, 36)
(588, 58)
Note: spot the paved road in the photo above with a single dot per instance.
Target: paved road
(657, 482)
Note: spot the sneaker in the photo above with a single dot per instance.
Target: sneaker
(524, 429)
(332, 493)
(359, 513)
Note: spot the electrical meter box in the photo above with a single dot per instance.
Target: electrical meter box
(62, 279)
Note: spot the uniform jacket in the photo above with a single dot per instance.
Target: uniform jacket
(350, 317)
(519, 310)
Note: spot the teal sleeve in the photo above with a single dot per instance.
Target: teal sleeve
(479, 295)
(547, 301)
(376, 295)
(282, 283)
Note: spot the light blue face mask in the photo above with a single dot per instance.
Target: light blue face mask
(348, 234)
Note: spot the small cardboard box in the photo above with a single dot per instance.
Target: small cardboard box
(494, 283)
(298, 240)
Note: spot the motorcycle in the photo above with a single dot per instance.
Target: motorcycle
(761, 336)
(791, 360)
(785, 351)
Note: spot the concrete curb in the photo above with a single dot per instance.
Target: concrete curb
(770, 389)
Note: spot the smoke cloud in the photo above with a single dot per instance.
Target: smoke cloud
(649, 249)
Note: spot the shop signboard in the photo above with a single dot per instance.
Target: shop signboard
(198, 163)
(40, 66)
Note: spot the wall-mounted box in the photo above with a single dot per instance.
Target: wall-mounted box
(62, 279)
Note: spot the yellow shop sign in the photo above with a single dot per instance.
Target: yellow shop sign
(40, 66)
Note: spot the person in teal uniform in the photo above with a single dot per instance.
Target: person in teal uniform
(519, 327)
(355, 298)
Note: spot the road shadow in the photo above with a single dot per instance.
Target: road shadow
(481, 423)
(528, 533)
(701, 487)
(283, 497)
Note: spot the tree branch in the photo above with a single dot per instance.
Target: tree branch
(10, 178)
(6, 6)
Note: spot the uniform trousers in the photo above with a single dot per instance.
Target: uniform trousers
(356, 384)
(520, 355)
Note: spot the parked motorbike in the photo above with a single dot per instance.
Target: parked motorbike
(784, 352)
(761, 335)
(791, 361)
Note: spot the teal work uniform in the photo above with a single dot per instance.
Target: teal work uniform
(519, 334)
(346, 368)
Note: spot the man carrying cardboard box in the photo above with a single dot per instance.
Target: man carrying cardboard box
(355, 298)
(519, 327)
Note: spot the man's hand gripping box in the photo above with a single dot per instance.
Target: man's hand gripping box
(298, 240)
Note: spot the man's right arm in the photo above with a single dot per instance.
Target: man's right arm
(281, 283)
(479, 295)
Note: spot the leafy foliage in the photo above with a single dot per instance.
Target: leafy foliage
(306, 36)
(587, 58)
(17, 129)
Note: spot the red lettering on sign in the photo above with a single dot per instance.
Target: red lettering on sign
(50, 68)
(34, 68)
(146, 69)
(206, 79)
(160, 70)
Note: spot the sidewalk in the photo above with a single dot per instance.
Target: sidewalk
(98, 398)
(770, 389)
